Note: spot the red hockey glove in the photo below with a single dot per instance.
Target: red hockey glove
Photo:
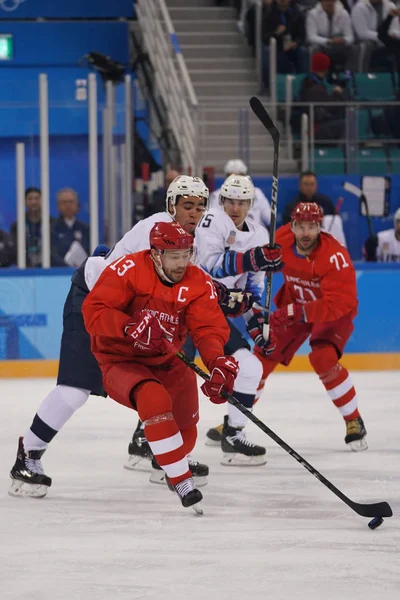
(224, 370)
(148, 334)
(255, 330)
(292, 313)
(233, 302)
(263, 258)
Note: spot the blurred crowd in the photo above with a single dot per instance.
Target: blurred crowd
(69, 237)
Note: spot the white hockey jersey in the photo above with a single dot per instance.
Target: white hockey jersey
(388, 249)
(135, 240)
(260, 213)
(216, 234)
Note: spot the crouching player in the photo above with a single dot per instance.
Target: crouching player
(138, 315)
(317, 301)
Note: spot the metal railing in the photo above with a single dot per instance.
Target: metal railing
(171, 77)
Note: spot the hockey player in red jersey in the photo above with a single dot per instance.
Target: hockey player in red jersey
(138, 315)
(318, 301)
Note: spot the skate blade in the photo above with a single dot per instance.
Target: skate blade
(157, 476)
(214, 443)
(358, 445)
(137, 463)
(197, 509)
(21, 489)
(235, 459)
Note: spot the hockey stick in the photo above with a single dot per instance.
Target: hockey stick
(379, 509)
(353, 189)
(337, 212)
(260, 112)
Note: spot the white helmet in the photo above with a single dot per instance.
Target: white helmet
(396, 216)
(185, 185)
(235, 166)
(237, 187)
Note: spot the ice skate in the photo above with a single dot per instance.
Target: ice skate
(199, 472)
(139, 453)
(237, 450)
(27, 474)
(214, 436)
(189, 495)
(356, 435)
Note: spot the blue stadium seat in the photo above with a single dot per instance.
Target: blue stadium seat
(364, 126)
(394, 158)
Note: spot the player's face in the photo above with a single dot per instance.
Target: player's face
(174, 263)
(306, 235)
(189, 210)
(237, 210)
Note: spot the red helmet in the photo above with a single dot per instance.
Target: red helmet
(170, 236)
(308, 211)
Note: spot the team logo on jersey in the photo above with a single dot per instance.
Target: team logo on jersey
(10, 5)
(232, 238)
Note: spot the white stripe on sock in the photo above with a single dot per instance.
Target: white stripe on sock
(348, 408)
(177, 468)
(341, 389)
(167, 444)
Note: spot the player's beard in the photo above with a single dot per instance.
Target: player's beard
(306, 244)
(175, 276)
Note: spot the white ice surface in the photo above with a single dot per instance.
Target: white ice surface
(271, 532)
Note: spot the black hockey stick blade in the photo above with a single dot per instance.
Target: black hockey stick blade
(260, 112)
(379, 509)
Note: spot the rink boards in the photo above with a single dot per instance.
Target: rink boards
(31, 304)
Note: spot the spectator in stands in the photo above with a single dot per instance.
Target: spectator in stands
(157, 202)
(33, 223)
(367, 16)
(329, 122)
(329, 30)
(7, 249)
(385, 246)
(70, 238)
(284, 21)
(308, 192)
(386, 36)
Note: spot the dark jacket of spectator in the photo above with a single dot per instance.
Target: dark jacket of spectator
(323, 201)
(292, 19)
(33, 241)
(7, 249)
(62, 236)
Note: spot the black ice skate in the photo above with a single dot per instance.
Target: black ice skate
(214, 436)
(237, 450)
(27, 474)
(188, 494)
(139, 452)
(199, 471)
(356, 435)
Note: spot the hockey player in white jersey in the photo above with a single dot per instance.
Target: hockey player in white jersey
(385, 246)
(79, 374)
(234, 249)
(260, 211)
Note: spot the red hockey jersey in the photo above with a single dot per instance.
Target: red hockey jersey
(130, 285)
(324, 282)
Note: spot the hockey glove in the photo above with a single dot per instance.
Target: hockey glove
(255, 330)
(232, 301)
(292, 313)
(148, 334)
(224, 370)
(263, 258)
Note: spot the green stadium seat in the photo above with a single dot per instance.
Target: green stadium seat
(372, 161)
(394, 157)
(374, 86)
(364, 127)
(329, 161)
